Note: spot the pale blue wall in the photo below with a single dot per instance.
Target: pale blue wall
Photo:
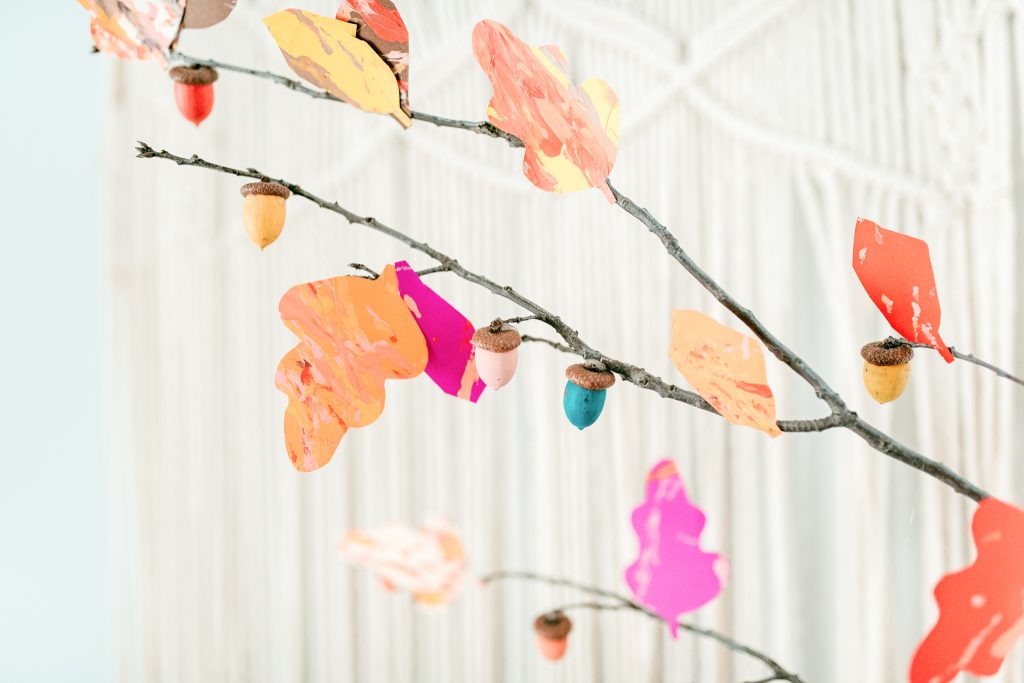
(55, 595)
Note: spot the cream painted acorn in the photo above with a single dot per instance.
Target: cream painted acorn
(552, 634)
(886, 369)
(585, 391)
(497, 353)
(263, 211)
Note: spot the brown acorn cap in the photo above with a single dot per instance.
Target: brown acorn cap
(553, 625)
(276, 189)
(886, 353)
(193, 75)
(590, 375)
(497, 337)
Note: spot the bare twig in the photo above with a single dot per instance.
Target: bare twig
(553, 344)
(366, 269)
(968, 357)
(520, 319)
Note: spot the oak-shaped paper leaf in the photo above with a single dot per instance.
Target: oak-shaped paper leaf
(354, 333)
(447, 332)
(327, 52)
(672, 574)
(135, 29)
(427, 562)
(981, 608)
(570, 131)
(726, 368)
(896, 271)
(381, 26)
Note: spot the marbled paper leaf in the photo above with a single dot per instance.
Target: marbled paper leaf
(427, 562)
(354, 333)
(135, 29)
(447, 333)
(381, 26)
(570, 131)
(896, 271)
(726, 368)
(326, 52)
(981, 608)
(672, 575)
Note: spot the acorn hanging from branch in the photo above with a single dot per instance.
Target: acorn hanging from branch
(585, 391)
(193, 91)
(497, 353)
(552, 631)
(263, 211)
(886, 369)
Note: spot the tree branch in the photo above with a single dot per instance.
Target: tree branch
(968, 357)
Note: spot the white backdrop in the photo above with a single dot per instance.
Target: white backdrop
(758, 130)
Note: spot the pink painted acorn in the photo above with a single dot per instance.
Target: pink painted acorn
(552, 634)
(497, 353)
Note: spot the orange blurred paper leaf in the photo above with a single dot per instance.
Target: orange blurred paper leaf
(135, 29)
(354, 334)
(726, 368)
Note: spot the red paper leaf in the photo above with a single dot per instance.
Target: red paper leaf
(896, 272)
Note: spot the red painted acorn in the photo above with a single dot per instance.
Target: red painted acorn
(193, 91)
(552, 634)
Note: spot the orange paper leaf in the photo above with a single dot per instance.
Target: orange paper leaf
(570, 131)
(726, 368)
(381, 26)
(355, 333)
(135, 29)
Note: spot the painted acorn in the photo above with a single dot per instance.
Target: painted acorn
(193, 91)
(886, 369)
(263, 211)
(585, 391)
(497, 353)
(552, 634)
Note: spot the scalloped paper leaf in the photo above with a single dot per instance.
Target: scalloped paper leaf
(571, 132)
(726, 368)
(672, 575)
(327, 52)
(135, 29)
(896, 271)
(381, 26)
(354, 334)
(981, 608)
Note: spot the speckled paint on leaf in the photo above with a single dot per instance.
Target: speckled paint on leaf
(381, 26)
(981, 608)
(326, 52)
(570, 131)
(447, 333)
(896, 271)
(135, 29)
(726, 368)
(672, 574)
(354, 334)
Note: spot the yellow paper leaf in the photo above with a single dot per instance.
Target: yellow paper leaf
(326, 52)
(726, 368)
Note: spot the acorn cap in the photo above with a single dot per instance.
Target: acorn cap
(553, 625)
(590, 376)
(885, 353)
(276, 189)
(497, 337)
(193, 75)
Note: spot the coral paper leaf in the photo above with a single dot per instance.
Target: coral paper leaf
(981, 608)
(726, 368)
(672, 575)
(381, 26)
(135, 29)
(354, 334)
(570, 131)
(896, 272)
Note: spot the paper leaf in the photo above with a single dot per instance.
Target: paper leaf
(896, 272)
(354, 334)
(206, 13)
(726, 368)
(326, 52)
(570, 131)
(447, 333)
(381, 26)
(672, 575)
(427, 562)
(981, 608)
(135, 29)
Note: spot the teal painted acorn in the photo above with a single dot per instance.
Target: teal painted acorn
(585, 392)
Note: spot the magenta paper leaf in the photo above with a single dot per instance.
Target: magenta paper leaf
(447, 332)
(672, 575)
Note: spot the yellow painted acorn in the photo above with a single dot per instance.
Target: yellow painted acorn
(886, 369)
(263, 211)
(552, 634)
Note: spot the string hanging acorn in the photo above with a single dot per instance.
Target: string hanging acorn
(585, 391)
(193, 91)
(497, 353)
(886, 369)
(552, 634)
(263, 211)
